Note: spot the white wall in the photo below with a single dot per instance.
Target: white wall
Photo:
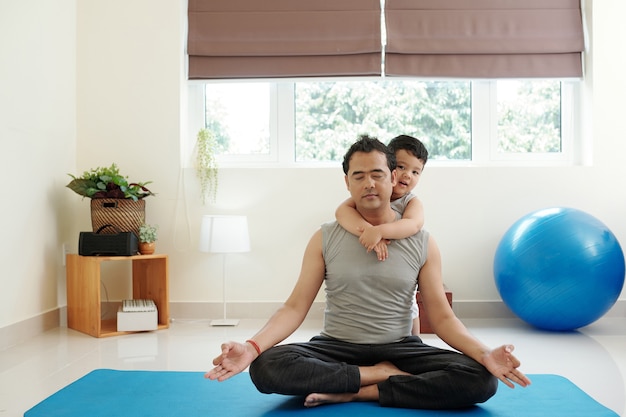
(37, 149)
(129, 89)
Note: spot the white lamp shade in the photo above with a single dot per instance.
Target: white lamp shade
(224, 234)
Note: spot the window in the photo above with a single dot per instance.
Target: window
(239, 117)
(329, 116)
(460, 121)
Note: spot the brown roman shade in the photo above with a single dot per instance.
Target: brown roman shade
(484, 38)
(283, 38)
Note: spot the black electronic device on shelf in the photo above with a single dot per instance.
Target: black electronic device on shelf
(106, 244)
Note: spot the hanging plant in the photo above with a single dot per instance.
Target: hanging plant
(205, 165)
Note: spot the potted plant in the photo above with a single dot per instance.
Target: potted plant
(147, 237)
(114, 200)
(108, 183)
(205, 164)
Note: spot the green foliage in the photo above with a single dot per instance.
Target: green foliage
(529, 117)
(205, 165)
(331, 115)
(148, 233)
(215, 116)
(108, 183)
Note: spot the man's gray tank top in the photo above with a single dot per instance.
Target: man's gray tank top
(367, 300)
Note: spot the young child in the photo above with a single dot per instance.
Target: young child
(411, 156)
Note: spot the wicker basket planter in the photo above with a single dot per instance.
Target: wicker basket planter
(114, 200)
(125, 214)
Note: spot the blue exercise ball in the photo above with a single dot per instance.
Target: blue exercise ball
(559, 268)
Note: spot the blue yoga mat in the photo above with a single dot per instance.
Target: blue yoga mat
(106, 392)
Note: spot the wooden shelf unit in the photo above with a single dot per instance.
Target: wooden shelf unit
(150, 281)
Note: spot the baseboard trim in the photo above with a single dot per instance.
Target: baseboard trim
(263, 310)
(498, 310)
(211, 311)
(16, 333)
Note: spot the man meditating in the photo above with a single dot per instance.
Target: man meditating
(365, 351)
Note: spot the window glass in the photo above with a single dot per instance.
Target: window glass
(311, 122)
(238, 115)
(529, 116)
(329, 116)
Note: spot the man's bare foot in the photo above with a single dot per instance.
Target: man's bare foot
(379, 373)
(368, 393)
(370, 377)
(313, 400)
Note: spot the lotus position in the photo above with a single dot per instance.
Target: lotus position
(365, 351)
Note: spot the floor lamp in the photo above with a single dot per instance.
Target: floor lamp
(224, 235)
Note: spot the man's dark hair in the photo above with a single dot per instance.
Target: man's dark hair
(411, 145)
(369, 144)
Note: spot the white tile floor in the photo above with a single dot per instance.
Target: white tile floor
(594, 358)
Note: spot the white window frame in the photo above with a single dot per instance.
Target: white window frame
(484, 130)
(484, 124)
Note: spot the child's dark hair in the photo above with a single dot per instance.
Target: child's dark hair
(369, 144)
(411, 145)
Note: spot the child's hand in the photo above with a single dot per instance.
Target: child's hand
(370, 237)
(381, 249)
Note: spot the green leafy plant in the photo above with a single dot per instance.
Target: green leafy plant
(148, 233)
(108, 183)
(205, 165)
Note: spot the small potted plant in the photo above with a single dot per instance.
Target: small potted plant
(147, 238)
